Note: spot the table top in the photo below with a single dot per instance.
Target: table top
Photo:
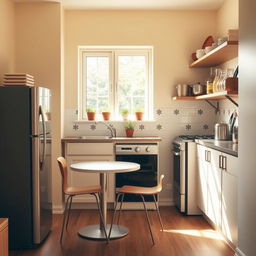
(105, 166)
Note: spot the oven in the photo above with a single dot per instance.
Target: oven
(147, 176)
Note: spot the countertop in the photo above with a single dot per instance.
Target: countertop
(111, 140)
(224, 146)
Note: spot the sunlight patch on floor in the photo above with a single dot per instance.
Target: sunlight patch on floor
(205, 233)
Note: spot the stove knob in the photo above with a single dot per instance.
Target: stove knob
(137, 149)
(148, 149)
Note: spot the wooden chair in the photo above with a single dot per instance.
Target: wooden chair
(75, 191)
(142, 191)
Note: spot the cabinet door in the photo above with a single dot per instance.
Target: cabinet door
(202, 178)
(214, 187)
(88, 179)
(4, 242)
(229, 199)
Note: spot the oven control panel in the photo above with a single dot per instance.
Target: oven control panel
(136, 149)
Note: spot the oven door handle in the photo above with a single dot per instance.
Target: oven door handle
(176, 153)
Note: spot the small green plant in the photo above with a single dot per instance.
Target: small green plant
(90, 110)
(106, 110)
(124, 111)
(139, 109)
(129, 125)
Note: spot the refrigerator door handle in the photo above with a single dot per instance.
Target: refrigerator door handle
(42, 161)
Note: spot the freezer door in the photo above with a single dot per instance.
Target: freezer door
(42, 188)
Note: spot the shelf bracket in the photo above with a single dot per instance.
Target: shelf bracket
(217, 108)
(229, 98)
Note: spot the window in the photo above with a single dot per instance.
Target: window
(115, 79)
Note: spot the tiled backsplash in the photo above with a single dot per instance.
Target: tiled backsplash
(169, 122)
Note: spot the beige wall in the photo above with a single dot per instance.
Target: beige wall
(228, 17)
(38, 52)
(7, 37)
(173, 34)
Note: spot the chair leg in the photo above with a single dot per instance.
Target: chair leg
(120, 208)
(158, 213)
(146, 212)
(101, 216)
(64, 218)
(113, 216)
(69, 208)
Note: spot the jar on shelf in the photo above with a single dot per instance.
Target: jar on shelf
(216, 79)
(209, 82)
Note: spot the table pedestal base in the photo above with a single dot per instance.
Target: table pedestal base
(94, 232)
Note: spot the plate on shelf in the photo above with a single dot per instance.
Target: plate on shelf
(208, 42)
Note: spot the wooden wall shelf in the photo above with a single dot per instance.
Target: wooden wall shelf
(223, 53)
(212, 96)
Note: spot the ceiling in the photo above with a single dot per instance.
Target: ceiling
(137, 4)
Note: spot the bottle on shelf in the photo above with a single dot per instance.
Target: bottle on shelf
(209, 82)
(216, 80)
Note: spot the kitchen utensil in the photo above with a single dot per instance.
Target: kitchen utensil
(236, 72)
(233, 121)
(198, 89)
(222, 131)
(208, 42)
(184, 90)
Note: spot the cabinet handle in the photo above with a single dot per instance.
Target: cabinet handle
(209, 156)
(205, 155)
(224, 167)
(220, 161)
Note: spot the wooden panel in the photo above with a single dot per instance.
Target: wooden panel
(221, 54)
(90, 149)
(3, 237)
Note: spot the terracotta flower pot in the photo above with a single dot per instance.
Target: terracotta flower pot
(139, 115)
(129, 132)
(106, 115)
(91, 116)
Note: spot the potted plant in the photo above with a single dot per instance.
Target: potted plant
(129, 129)
(139, 113)
(90, 114)
(125, 113)
(106, 114)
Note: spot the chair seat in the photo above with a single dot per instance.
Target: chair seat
(139, 190)
(82, 190)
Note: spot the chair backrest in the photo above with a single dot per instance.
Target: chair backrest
(160, 183)
(64, 173)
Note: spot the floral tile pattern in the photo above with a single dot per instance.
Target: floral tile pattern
(75, 127)
(141, 127)
(188, 126)
(176, 112)
(159, 127)
(205, 127)
(200, 111)
(93, 127)
(159, 112)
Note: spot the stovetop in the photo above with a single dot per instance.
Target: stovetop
(193, 137)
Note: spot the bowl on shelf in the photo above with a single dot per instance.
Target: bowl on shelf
(200, 53)
(193, 55)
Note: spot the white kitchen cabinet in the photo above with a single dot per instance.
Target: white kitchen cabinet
(217, 189)
(229, 198)
(82, 152)
(202, 189)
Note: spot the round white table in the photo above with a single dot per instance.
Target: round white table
(104, 168)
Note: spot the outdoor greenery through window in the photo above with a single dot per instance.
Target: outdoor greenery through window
(115, 80)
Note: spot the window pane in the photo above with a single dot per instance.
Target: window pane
(96, 78)
(132, 82)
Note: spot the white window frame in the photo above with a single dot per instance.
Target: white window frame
(113, 52)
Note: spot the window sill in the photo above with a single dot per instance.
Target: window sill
(112, 121)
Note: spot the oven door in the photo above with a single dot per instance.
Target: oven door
(179, 173)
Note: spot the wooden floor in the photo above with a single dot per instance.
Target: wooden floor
(183, 236)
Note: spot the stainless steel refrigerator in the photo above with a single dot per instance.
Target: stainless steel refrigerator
(25, 164)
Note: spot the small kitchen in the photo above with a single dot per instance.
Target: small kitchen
(187, 133)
